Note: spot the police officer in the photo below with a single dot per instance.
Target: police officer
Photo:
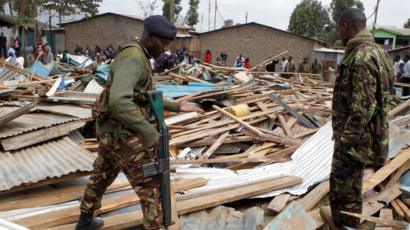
(362, 93)
(127, 139)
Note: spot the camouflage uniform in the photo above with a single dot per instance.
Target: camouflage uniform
(362, 93)
(290, 67)
(127, 138)
(316, 68)
(304, 68)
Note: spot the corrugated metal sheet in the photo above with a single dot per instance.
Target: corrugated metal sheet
(33, 121)
(7, 74)
(311, 162)
(66, 109)
(93, 87)
(49, 160)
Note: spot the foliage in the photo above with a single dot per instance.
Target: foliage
(228, 23)
(166, 9)
(148, 6)
(309, 18)
(407, 24)
(339, 6)
(192, 16)
(338, 43)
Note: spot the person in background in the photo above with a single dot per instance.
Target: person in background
(19, 59)
(3, 45)
(316, 67)
(78, 50)
(219, 61)
(247, 63)
(304, 66)
(29, 52)
(283, 64)
(398, 67)
(290, 65)
(87, 51)
(17, 44)
(48, 55)
(11, 53)
(239, 61)
(208, 57)
(271, 67)
(405, 78)
(223, 57)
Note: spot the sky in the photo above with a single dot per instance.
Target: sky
(275, 13)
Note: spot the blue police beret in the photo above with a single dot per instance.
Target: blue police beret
(160, 26)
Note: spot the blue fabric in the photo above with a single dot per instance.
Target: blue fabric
(40, 69)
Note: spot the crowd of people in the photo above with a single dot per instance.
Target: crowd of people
(401, 68)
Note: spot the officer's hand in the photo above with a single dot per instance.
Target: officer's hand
(190, 107)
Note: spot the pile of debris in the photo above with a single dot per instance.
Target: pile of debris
(263, 135)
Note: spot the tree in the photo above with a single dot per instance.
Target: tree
(192, 16)
(148, 7)
(309, 18)
(339, 6)
(407, 24)
(166, 9)
(228, 23)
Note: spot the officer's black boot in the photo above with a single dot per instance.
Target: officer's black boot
(88, 222)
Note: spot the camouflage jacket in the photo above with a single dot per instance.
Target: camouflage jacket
(125, 102)
(304, 68)
(362, 94)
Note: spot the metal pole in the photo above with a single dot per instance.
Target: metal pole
(209, 16)
(246, 18)
(216, 8)
(375, 16)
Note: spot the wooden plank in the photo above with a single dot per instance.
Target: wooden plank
(194, 204)
(396, 176)
(240, 121)
(397, 209)
(211, 132)
(41, 135)
(278, 203)
(228, 140)
(184, 185)
(219, 160)
(54, 88)
(315, 214)
(284, 125)
(67, 215)
(212, 200)
(405, 209)
(215, 146)
(305, 133)
(386, 214)
(386, 170)
(71, 214)
(382, 221)
(263, 107)
(52, 196)
(174, 213)
(377, 203)
(16, 113)
(46, 182)
(313, 197)
(399, 108)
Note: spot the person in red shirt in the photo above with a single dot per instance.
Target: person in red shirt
(208, 57)
(247, 64)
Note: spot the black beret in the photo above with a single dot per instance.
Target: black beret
(160, 26)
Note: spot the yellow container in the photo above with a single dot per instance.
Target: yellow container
(240, 110)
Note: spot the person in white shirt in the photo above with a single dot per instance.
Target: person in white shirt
(283, 64)
(406, 76)
(19, 60)
(398, 66)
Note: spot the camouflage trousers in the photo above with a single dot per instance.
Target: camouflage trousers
(128, 157)
(345, 188)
